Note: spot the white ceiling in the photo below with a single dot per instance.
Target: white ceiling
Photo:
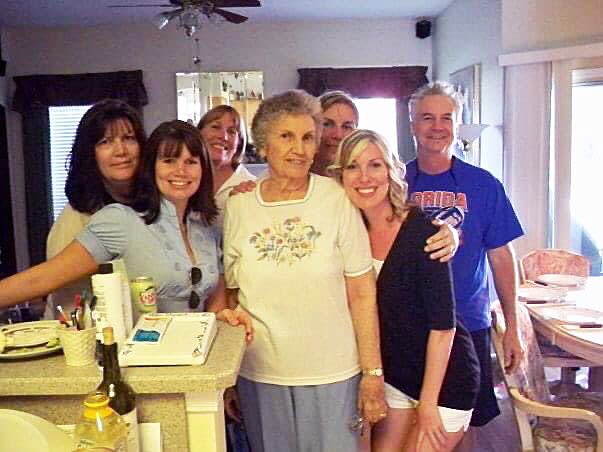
(95, 12)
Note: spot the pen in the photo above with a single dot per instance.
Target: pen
(62, 317)
(93, 303)
(74, 319)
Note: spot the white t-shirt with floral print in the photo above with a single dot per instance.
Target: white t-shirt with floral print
(288, 259)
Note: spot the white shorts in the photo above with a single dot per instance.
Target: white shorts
(453, 420)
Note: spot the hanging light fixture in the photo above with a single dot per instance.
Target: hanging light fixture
(189, 20)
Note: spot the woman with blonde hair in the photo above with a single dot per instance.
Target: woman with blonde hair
(223, 133)
(429, 363)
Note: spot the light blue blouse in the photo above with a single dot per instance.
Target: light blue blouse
(157, 250)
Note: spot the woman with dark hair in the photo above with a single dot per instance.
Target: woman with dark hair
(165, 234)
(223, 133)
(103, 164)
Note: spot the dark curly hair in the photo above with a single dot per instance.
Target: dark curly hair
(167, 140)
(84, 186)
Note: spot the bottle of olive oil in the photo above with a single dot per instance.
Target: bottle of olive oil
(121, 396)
(100, 426)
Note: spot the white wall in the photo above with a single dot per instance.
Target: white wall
(469, 32)
(276, 49)
(543, 24)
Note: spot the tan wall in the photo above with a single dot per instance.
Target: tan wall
(462, 39)
(543, 24)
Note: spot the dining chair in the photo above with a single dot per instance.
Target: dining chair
(545, 422)
(557, 262)
(553, 261)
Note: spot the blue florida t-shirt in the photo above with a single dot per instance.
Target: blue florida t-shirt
(475, 202)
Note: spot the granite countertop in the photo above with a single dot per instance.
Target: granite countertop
(48, 375)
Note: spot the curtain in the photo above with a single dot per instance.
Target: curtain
(8, 264)
(527, 114)
(398, 82)
(33, 95)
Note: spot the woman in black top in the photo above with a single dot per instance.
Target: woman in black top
(429, 363)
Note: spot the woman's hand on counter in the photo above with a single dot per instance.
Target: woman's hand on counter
(231, 404)
(236, 318)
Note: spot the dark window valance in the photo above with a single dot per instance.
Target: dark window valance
(78, 89)
(398, 81)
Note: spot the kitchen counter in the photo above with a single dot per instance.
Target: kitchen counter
(186, 400)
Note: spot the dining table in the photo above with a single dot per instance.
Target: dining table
(570, 316)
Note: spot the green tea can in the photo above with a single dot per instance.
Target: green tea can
(144, 296)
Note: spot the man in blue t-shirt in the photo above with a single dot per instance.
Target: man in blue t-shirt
(473, 201)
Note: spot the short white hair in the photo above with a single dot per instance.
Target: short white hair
(437, 88)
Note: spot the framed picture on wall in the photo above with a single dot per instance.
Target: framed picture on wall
(468, 81)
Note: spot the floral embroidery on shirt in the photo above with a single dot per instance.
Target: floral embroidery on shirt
(290, 241)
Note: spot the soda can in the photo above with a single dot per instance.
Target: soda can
(144, 296)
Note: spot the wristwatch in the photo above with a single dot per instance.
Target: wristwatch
(376, 372)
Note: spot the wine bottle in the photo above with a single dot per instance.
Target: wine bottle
(121, 396)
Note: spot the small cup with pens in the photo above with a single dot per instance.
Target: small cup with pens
(77, 334)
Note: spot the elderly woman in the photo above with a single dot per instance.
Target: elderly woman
(223, 133)
(297, 255)
(430, 365)
(165, 234)
(340, 118)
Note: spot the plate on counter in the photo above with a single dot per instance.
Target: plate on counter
(30, 339)
(562, 280)
(573, 315)
(541, 294)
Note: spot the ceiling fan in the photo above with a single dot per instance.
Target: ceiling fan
(190, 12)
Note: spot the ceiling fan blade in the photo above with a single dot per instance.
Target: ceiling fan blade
(236, 3)
(230, 17)
(162, 19)
(140, 6)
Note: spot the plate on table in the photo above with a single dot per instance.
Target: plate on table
(541, 294)
(30, 339)
(573, 315)
(562, 280)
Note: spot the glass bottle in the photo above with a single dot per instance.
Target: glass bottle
(100, 425)
(121, 395)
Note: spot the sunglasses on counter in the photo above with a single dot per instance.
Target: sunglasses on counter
(194, 301)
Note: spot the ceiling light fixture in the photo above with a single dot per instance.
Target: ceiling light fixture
(189, 20)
